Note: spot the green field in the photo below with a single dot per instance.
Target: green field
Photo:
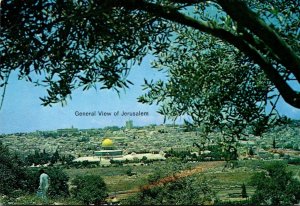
(226, 184)
(117, 179)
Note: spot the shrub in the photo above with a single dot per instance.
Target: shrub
(276, 186)
(12, 175)
(244, 191)
(89, 189)
(129, 171)
(294, 161)
(185, 191)
(58, 181)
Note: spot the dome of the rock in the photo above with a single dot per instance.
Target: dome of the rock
(107, 143)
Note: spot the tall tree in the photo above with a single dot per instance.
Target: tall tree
(244, 191)
(85, 43)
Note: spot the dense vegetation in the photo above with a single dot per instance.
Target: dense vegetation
(184, 191)
(215, 154)
(276, 186)
(82, 44)
(274, 183)
(43, 157)
(274, 180)
(18, 180)
(16, 177)
(89, 189)
(12, 175)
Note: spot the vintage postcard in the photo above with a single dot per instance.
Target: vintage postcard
(146, 102)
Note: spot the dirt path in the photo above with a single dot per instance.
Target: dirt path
(185, 173)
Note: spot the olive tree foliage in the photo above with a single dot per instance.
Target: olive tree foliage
(64, 45)
(69, 44)
(218, 89)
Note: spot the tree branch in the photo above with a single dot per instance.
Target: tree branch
(169, 13)
(239, 11)
(289, 95)
(4, 89)
(189, 1)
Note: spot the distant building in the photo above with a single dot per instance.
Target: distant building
(71, 130)
(129, 124)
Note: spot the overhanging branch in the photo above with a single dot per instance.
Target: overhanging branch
(239, 11)
(169, 13)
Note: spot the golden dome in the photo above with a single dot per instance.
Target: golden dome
(107, 143)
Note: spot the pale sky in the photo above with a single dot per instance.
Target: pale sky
(22, 110)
